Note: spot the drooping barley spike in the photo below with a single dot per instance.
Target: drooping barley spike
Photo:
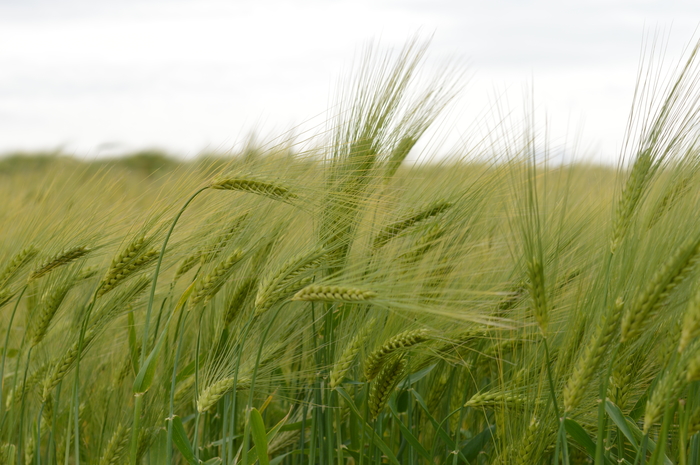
(21, 390)
(64, 364)
(87, 273)
(495, 399)
(47, 310)
(6, 295)
(693, 371)
(60, 259)
(128, 262)
(16, 264)
(694, 422)
(47, 414)
(316, 293)
(210, 284)
(255, 186)
(666, 278)
(344, 363)
(213, 393)
(8, 453)
(423, 245)
(384, 385)
(211, 251)
(188, 263)
(669, 387)
(631, 195)
(407, 221)
(525, 453)
(147, 436)
(116, 446)
(29, 447)
(591, 357)
(402, 341)
(243, 290)
(691, 322)
(538, 293)
(279, 284)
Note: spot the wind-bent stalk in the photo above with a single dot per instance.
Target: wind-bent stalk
(138, 402)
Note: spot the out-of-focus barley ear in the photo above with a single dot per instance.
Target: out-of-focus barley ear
(423, 245)
(691, 322)
(279, 284)
(15, 398)
(402, 341)
(211, 251)
(6, 295)
(115, 448)
(341, 367)
(538, 293)
(254, 186)
(384, 385)
(631, 195)
(187, 264)
(694, 422)
(669, 387)
(241, 293)
(214, 392)
(128, 262)
(666, 278)
(29, 447)
(47, 310)
(495, 399)
(693, 371)
(591, 357)
(64, 364)
(409, 220)
(317, 293)
(147, 436)
(8, 452)
(210, 284)
(16, 264)
(87, 273)
(60, 259)
(524, 455)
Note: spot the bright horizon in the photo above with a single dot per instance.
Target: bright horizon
(99, 78)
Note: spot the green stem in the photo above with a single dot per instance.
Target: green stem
(138, 403)
(4, 354)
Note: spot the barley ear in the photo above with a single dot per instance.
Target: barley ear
(316, 293)
(116, 446)
(666, 278)
(588, 362)
(376, 360)
(60, 259)
(384, 385)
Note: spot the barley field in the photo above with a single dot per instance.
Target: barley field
(321, 300)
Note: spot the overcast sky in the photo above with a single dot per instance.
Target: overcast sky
(99, 77)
